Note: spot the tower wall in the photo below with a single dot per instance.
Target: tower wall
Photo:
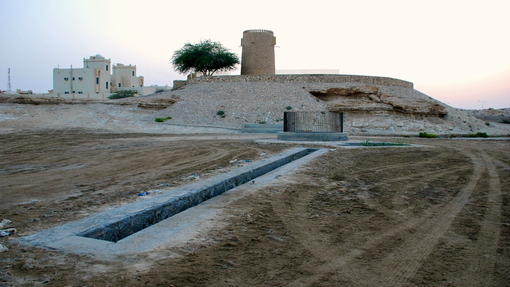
(258, 52)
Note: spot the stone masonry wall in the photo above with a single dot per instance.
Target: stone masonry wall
(178, 84)
(384, 81)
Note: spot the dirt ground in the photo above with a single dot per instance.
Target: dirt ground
(433, 215)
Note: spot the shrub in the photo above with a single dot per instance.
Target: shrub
(367, 143)
(262, 122)
(288, 108)
(426, 135)
(478, 135)
(221, 113)
(168, 118)
(123, 94)
(159, 120)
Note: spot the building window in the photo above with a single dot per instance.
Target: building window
(66, 92)
(80, 78)
(73, 92)
(97, 81)
(66, 79)
(80, 92)
(119, 85)
(107, 85)
(73, 78)
(107, 67)
(133, 73)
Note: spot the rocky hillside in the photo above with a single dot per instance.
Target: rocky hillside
(492, 115)
(368, 109)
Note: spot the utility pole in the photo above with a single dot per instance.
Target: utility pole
(9, 79)
(482, 103)
(71, 79)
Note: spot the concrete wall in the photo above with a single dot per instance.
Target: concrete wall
(258, 52)
(142, 91)
(100, 96)
(384, 81)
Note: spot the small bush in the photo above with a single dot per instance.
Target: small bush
(221, 113)
(288, 108)
(160, 120)
(478, 135)
(426, 135)
(123, 94)
(262, 122)
(488, 124)
(506, 121)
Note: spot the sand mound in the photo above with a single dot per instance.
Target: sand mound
(368, 109)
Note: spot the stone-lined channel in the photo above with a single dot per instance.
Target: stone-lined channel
(134, 219)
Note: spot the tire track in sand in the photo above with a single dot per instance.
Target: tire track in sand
(399, 266)
(481, 270)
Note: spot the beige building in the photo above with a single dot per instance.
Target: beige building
(97, 80)
(125, 77)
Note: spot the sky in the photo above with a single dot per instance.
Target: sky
(457, 52)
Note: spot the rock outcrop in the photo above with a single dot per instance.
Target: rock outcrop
(367, 98)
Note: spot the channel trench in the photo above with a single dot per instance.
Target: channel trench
(141, 220)
(120, 223)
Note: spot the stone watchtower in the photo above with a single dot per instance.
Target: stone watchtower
(258, 52)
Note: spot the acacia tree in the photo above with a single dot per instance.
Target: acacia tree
(206, 57)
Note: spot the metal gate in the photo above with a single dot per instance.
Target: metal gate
(313, 122)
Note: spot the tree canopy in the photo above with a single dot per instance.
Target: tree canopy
(206, 57)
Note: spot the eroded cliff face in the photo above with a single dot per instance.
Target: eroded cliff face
(367, 98)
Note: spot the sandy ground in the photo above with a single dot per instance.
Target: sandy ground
(433, 215)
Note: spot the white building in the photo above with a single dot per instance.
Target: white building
(125, 76)
(95, 81)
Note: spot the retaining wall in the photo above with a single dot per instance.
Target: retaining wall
(384, 81)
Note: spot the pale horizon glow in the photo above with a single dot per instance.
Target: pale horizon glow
(454, 51)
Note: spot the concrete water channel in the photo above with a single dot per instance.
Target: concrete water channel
(174, 215)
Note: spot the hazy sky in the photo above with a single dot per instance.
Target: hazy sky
(455, 51)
